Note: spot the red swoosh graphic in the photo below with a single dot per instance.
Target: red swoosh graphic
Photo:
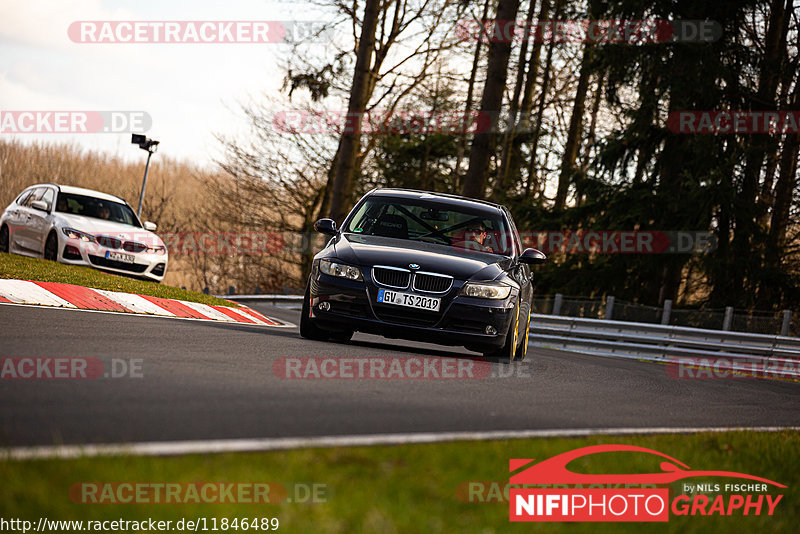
(554, 471)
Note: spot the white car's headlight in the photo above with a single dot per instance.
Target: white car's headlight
(75, 234)
(340, 269)
(485, 290)
(157, 250)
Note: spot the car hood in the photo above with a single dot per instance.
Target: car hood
(366, 251)
(94, 226)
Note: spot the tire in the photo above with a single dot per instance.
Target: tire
(342, 337)
(510, 350)
(523, 350)
(308, 329)
(51, 247)
(4, 243)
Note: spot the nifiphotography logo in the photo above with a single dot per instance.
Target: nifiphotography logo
(575, 496)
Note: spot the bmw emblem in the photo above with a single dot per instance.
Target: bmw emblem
(413, 266)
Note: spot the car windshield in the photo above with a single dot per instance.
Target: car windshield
(462, 227)
(96, 208)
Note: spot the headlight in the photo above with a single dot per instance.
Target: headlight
(74, 234)
(485, 290)
(340, 269)
(157, 250)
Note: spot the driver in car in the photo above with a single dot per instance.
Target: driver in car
(475, 238)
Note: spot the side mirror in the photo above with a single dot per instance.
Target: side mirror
(325, 226)
(532, 256)
(150, 227)
(40, 205)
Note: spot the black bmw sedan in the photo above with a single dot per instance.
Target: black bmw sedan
(423, 266)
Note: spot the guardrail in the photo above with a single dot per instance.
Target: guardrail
(267, 299)
(724, 350)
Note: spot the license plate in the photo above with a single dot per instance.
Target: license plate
(408, 300)
(119, 256)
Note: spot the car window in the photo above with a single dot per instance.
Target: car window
(462, 227)
(514, 233)
(35, 194)
(96, 208)
(48, 197)
(23, 198)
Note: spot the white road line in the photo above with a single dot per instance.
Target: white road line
(174, 448)
(24, 292)
(135, 303)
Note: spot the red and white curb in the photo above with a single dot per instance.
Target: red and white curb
(84, 298)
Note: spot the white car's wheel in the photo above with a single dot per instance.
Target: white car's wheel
(51, 247)
(4, 239)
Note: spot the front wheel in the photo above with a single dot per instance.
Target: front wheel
(523, 350)
(4, 239)
(510, 350)
(51, 247)
(308, 329)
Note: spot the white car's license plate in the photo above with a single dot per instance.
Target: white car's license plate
(119, 256)
(408, 299)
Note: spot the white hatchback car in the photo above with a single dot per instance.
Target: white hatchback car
(82, 227)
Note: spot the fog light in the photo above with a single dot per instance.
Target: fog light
(490, 330)
(324, 306)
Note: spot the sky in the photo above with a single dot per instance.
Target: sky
(190, 90)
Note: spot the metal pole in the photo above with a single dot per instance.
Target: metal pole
(665, 313)
(609, 308)
(144, 184)
(787, 321)
(557, 303)
(728, 320)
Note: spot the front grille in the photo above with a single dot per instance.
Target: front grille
(411, 317)
(121, 265)
(132, 246)
(432, 283)
(461, 325)
(348, 308)
(391, 277)
(108, 242)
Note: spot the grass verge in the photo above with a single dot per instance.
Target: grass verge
(414, 488)
(39, 270)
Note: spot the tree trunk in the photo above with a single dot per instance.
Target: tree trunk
(575, 131)
(746, 213)
(351, 137)
(468, 106)
(514, 105)
(512, 163)
(531, 180)
(497, 71)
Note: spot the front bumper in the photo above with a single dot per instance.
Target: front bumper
(147, 266)
(461, 321)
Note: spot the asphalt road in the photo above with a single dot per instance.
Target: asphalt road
(203, 380)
